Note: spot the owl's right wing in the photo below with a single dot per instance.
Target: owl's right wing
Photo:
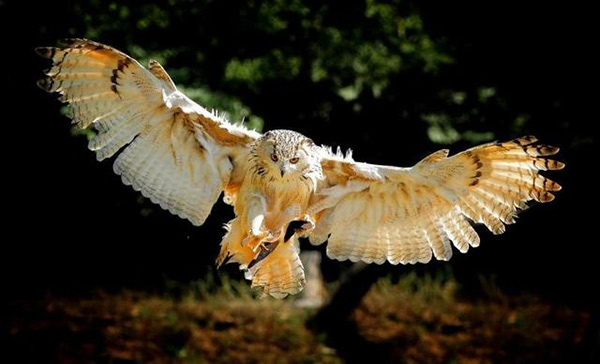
(180, 156)
(403, 215)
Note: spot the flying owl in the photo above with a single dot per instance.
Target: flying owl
(282, 185)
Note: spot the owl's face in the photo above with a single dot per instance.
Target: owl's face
(286, 153)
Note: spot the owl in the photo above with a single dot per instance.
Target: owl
(283, 186)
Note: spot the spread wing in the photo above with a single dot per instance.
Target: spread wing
(377, 213)
(179, 155)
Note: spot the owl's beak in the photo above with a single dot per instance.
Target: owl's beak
(284, 168)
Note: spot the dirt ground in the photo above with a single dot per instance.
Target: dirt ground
(410, 321)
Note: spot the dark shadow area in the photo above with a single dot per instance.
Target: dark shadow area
(334, 319)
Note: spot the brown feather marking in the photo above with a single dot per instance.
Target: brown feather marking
(526, 140)
(159, 72)
(348, 169)
(478, 166)
(122, 64)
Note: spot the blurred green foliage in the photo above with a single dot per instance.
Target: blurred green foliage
(232, 56)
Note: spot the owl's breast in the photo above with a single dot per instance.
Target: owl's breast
(278, 194)
(282, 193)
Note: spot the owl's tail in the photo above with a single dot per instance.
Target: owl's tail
(280, 273)
(276, 271)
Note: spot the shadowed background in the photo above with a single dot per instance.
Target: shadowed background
(394, 81)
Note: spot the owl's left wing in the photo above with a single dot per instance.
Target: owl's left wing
(403, 215)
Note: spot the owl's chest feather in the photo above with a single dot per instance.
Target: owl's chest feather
(280, 194)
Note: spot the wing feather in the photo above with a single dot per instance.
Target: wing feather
(178, 155)
(406, 215)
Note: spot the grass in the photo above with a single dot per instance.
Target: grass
(417, 319)
(425, 319)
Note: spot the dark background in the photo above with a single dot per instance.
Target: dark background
(393, 82)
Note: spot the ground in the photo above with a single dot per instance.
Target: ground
(419, 319)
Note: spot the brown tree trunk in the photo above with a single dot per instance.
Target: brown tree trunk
(334, 319)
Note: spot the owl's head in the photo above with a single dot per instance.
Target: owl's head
(286, 153)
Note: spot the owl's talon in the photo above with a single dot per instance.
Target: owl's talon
(272, 236)
(266, 249)
(300, 227)
(309, 225)
(264, 236)
(256, 247)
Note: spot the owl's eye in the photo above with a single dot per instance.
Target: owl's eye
(294, 160)
(274, 157)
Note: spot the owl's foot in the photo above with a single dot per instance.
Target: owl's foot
(257, 241)
(309, 224)
(264, 249)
